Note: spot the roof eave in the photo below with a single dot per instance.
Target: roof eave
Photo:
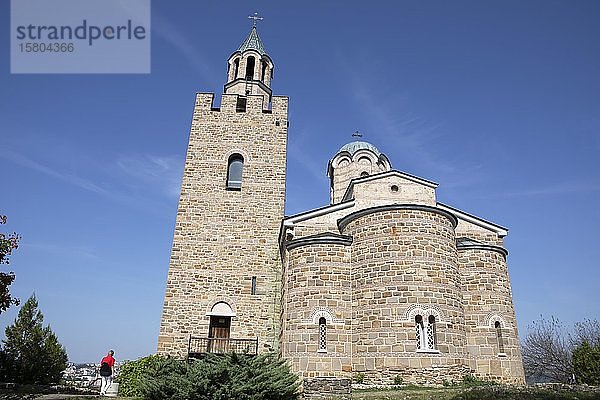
(500, 230)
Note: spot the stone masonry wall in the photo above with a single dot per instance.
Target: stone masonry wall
(390, 190)
(327, 388)
(488, 299)
(225, 237)
(404, 262)
(363, 161)
(470, 230)
(397, 249)
(317, 284)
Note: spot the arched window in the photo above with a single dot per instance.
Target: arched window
(234, 172)
(498, 327)
(425, 335)
(237, 67)
(250, 68)
(431, 342)
(264, 71)
(420, 332)
(322, 335)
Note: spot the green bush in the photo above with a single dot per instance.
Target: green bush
(131, 372)
(359, 377)
(586, 363)
(471, 380)
(230, 376)
(398, 380)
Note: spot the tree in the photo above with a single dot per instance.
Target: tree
(586, 355)
(32, 353)
(8, 243)
(587, 331)
(586, 363)
(552, 353)
(547, 350)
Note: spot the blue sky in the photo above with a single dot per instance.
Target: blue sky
(499, 102)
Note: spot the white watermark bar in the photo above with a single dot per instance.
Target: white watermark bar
(80, 36)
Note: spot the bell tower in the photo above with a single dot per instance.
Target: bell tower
(250, 69)
(223, 283)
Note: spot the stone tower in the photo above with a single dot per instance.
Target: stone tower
(224, 272)
(385, 281)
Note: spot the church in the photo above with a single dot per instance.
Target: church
(385, 282)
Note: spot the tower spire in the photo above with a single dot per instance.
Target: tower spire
(250, 69)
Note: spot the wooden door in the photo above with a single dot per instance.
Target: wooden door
(219, 330)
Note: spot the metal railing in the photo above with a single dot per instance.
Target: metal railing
(202, 345)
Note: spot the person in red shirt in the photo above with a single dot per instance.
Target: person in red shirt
(106, 371)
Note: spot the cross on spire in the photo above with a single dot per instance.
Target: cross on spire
(357, 134)
(255, 17)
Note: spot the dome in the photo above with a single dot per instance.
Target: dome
(353, 147)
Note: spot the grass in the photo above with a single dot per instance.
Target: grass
(407, 393)
(481, 392)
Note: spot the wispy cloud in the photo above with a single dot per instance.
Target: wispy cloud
(299, 151)
(166, 30)
(141, 180)
(401, 131)
(561, 188)
(162, 172)
(64, 176)
(65, 250)
(395, 124)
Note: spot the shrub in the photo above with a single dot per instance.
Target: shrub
(398, 380)
(471, 380)
(165, 379)
(131, 373)
(586, 363)
(229, 376)
(358, 377)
